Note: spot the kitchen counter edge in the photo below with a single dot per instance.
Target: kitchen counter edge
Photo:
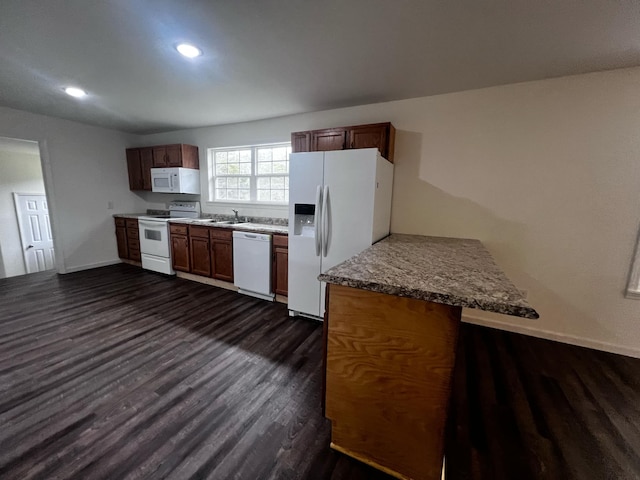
(450, 271)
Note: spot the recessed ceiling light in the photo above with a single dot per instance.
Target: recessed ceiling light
(189, 51)
(75, 92)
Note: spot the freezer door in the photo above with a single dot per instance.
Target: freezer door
(350, 182)
(305, 178)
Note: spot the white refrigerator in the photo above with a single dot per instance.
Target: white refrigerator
(339, 204)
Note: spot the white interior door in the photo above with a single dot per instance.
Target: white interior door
(35, 231)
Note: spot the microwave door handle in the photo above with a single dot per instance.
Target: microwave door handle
(171, 182)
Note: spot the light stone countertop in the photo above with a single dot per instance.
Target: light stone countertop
(129, 215)
(451, 271)
(247, 226)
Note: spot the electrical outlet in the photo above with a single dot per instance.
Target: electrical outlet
(109, 205)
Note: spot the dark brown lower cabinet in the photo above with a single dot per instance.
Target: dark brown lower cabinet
(222, 254)
(280, 267)
(200, 258)
(128, 238)
(121, 238)
(180, 247)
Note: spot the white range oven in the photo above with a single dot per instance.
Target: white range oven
(155, 244)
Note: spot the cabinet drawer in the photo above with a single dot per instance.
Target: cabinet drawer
(280, 241)
(133, 243)
(131, 222)
(178, 229)
(120, 222)
(198, 231)
(133, 233)
(221, 233)
(134, 255)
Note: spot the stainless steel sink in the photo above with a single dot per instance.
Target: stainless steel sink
(226, 222)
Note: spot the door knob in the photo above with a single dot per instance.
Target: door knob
(30, 246)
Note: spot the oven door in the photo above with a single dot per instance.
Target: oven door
(154, 238)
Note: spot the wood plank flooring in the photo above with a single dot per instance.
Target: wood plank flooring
(526, 408)
(118, 373)
(121, 373)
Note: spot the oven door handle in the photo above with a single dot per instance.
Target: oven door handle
(149, 224)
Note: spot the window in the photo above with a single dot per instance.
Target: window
(256, 174)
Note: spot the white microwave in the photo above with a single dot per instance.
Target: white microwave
(175, 180)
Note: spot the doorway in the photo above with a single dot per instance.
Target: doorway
(20, 172)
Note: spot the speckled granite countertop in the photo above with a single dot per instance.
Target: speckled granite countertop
(452, 271)
(247, 226)
(129, 215)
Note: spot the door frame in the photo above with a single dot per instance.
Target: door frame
(47, 175)
(21, 226)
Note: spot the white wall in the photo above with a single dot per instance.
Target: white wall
(546, 174)
(84, 168)
(19, 173)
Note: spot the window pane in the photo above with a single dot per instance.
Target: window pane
(234, 171)
(264, 168)
(280, 153)
(277, 196)
(280, 167)
(264, 155)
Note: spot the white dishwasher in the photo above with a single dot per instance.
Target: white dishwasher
(252, 264)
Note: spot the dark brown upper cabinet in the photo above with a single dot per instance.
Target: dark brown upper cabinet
(376, 135)
(179, 155)
(140, 161)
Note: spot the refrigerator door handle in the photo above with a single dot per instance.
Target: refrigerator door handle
(325, 221)
(318, 213)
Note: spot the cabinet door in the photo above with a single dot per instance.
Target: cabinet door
(180, 252)
(281, 270)
(134, 168)
(159, 157)
(300, 142)
(222, 259)
(200, 257)
(121, 238)
(331, 139)
(174, 155)
(146, 160)
(369, 136)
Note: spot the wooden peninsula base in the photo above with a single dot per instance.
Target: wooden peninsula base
(389, 364)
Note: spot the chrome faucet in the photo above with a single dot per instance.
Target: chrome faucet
(237, 219)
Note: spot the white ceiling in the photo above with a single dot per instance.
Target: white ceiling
(267, 58)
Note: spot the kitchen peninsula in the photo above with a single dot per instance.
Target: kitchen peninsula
(391, 332)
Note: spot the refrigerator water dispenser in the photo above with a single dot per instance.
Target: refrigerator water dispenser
(304, 219)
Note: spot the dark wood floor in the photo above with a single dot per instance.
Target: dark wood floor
(121, 373)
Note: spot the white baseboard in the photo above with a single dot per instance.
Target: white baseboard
(550, 335)
(91, 265)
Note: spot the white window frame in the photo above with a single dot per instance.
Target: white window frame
(253, 182)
